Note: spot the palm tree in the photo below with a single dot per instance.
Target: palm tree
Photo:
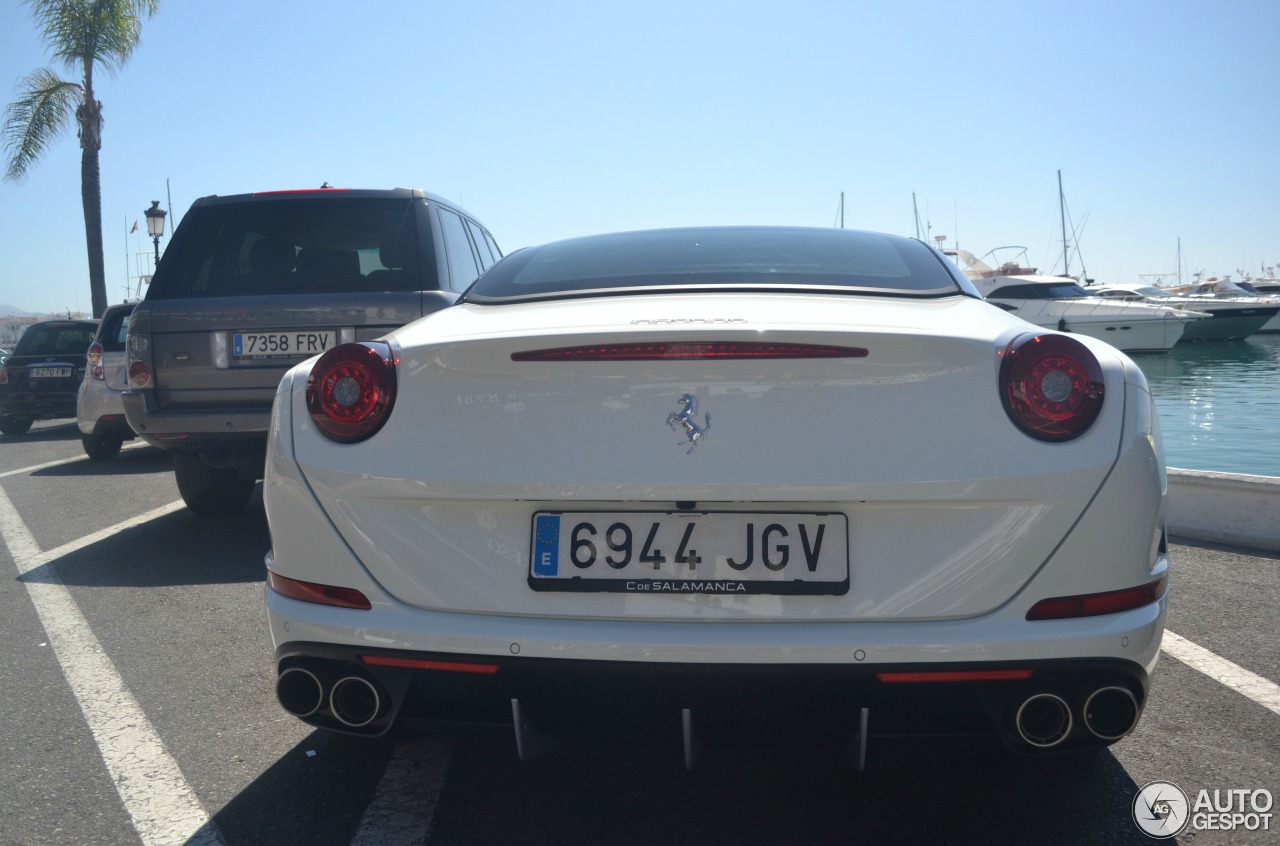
(81, 34)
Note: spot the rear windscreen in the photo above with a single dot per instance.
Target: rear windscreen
(319, 245)
(744, 257)
(114, 330)
(69, 339)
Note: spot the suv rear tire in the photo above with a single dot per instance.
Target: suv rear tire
(14, 425)
(101, 447)
(210, 490)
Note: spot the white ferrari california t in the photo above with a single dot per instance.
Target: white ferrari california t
(725, 484)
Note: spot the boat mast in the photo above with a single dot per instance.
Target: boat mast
(1062, 212)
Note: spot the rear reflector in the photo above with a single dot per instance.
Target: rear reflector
(1095, 604)
(425, 664)
(318, 594)
(687, 350)
(955, 676)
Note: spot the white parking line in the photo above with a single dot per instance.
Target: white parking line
(1245, 682)
(405, 804)
(161, 804)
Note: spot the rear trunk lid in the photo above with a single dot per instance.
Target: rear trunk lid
(945, 509)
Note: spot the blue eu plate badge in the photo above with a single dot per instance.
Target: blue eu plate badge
(546, 544)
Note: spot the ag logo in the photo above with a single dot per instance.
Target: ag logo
(1161, 809)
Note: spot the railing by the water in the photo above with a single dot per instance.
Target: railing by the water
(1226, 508)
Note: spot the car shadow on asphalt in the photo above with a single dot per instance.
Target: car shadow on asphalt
(917, 792)
(131, 461)
(315, 794)
(181, 548)
(632, 794)
(45, 434)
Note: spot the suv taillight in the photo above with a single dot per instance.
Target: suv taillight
(139, 358)
(351, 391)
(94, 356)
(1051, 386)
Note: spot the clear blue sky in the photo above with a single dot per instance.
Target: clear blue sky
(554, 119)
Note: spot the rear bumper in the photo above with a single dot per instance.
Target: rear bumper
(728, 703)
(221, 438)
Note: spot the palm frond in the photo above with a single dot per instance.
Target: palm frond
(83, 33)
(43, 111)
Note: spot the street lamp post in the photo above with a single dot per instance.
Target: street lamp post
(155, 225)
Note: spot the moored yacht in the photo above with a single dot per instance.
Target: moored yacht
(1058, 302)
(1245, 291)
(1227, 319)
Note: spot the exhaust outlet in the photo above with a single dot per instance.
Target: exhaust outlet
(354, 701)
(299, 691)
(1043, 720)
(1111, 712)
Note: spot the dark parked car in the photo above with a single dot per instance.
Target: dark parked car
(254, 283)
(40, 378)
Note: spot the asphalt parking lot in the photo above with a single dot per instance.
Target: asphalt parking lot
(139, 707)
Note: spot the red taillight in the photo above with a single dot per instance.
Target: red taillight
(427, 664)
(687, 350)
(139, 375)
(318, 594)
(4, 375)
(954, 676)
(351, 391)
(94, 357)
(1096, 604)
(1051, 386)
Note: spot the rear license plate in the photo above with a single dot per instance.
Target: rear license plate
(733, 552)
(50, 372)
(294, 344)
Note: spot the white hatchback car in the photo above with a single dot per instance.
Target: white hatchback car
(100, 404)
(723, 483)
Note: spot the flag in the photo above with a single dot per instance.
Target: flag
(135, 228)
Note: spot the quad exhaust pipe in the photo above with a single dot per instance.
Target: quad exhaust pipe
(1043, 720)
(353, 700)
(300, 691)
(1111, 712)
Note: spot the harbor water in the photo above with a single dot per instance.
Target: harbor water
(1219, 404)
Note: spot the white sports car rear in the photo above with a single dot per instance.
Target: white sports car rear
(719, 482)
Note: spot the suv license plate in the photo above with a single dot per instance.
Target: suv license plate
(734, 552)
(50, 372)
(295, 344)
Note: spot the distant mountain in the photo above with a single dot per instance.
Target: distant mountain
(5, 309)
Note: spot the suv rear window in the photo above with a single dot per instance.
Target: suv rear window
(114, 330)
(330, 244)
(737, 258)
(56, 339)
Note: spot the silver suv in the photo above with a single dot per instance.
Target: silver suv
(254, 283)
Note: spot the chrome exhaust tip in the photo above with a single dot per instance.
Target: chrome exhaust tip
(1111, 712)
(1043, 720)
(300, 691)
(355, 701)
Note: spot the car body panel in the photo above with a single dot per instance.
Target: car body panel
(958, 521)
(213, 284)
(100, 402)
